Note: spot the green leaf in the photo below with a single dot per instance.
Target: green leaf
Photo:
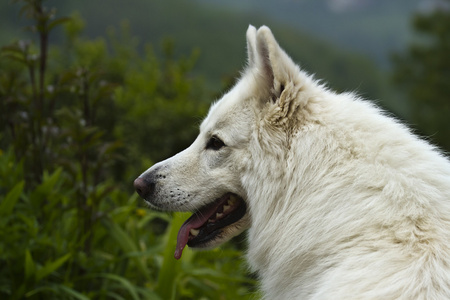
(148, 294)
(112, 295)
(72, 292)
(57, 22)
(125, 283)
(133, 290)
(50, 181)
(121, 237)
(170, 266)
(126, 243)
(14, 48)
(30, 266)
(7, 205)
(16, 58)
(50, 267)
(41, 289)
(47, 187)
(58, 289)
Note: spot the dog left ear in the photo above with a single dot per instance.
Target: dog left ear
(251, 46)
(276, 67)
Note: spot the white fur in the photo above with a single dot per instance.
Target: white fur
(344, 202)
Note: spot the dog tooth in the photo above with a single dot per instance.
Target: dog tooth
(226, 207)
(219, 215)
(194, 231)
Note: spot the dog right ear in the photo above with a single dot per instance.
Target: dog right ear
(271, 66)
(278, 79)
(276, 66)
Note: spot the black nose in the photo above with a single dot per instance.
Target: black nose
(144, 187)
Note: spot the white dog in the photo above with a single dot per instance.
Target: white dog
(341, 201)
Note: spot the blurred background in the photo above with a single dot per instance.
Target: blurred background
(92, 93)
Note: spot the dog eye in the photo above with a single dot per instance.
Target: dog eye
(215, 143)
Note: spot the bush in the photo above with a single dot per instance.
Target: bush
(79, 121)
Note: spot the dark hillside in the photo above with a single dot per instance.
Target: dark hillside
(218, 34)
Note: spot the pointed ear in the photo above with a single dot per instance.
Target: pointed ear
(251, 46)
(277, 67)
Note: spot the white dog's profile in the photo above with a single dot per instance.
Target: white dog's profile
(340, 200)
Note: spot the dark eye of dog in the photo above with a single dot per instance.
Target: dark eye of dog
(214, 143)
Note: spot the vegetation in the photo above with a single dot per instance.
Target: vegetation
(424, 73)
(210, 29)
(79, 121)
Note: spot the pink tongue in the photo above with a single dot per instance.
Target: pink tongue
(195, 221)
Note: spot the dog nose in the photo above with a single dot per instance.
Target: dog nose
(143, 187)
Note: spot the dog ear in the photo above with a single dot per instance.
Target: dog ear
(251, 46)
(274, 65)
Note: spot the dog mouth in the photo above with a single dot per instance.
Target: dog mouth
(210, 223)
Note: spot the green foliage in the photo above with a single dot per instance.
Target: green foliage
(44, 258)
(424, 72)
(153, 89)
(212, 26)
(79, 121)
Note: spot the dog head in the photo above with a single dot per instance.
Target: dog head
(211, 177)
